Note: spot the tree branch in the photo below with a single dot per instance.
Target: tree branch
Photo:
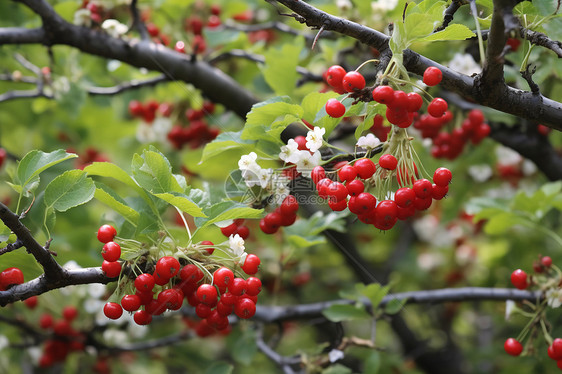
(21, 35)
(132, 85)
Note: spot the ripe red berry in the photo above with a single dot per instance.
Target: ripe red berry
(251, 264)
(245, 308)
(437, 107)
(168, 267)
(415, 102)
(442, 177)
(106, 233)
(439, 192)
(112, 310)
(144, 282)
(519, 279)
(111, 269)
(223, 277)
(229, 230)
(383, 94)
(31, 302)
(136, 108)
(334, 108)
(432, 76)
(10, 276)
(111, 251)
(337, 191)
(365, 168)
(546, 261)
(334, 76)
(238, 286)
(253, 286)
(355, 187)
(347, 173)
(46, 321)
(273, 220)
(289, 206)
(557, 347)
(513, 347)
(353, 81)
(69, 313)
(388, 162)
(317, 174)
(365, 203)
(422, 188)
(131, 302)
(337, 205)
(171, 298)
(404, 197)
(142, 317)
(386, 211)
(266, 228)
(207, 294)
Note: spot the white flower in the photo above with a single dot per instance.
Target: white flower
(554, 297)
(252, 177)
(264, 177)
(480, 173)
(115, 336)
(368, 141)
(114, 27)
(93, 306)
(528, 168)
(96, 290)
(289, 152)
(281, 192)
(145, 133)
(161, 127)
(83, 17)
(4, 342)
(314, 138)
(344, 4)
(236, 244)
(464, 63)
(507, 156)
(307, 162)
(335, 355)
(509, 307)
(248, 162)
(428, 261)
(383, 5)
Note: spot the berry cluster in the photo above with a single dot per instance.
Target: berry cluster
(236, 227)
(64, 340)
(450, 145)
(111, 251)
(10, 277)
(97, 12)
(284, 215)
(197, 132)
(349, 191)
(521, 280)
(87, 157)
(401, 106)
(148, 111)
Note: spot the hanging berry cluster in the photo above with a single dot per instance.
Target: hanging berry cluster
(547, 277)
(151, 284)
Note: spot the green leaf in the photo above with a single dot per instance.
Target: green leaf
(337, 369)
(70, 189)
(5, 232)
(243, 346)
(372, 363)
(345, 312)
(375, 292)
(322, 118)
(107, 196)
(229, 210)
(225, 141)
(182, 202)
(502, 222)
(268, 119)
(219, 368)
(452, 32)
(109, 170)
(307, 232)
(394, 306)
(280, 69)
(220, 36)
(153, 172)
(33, 164)
(372, 111)
(300, 241)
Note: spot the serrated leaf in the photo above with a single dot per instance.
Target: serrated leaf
(268, 119)
(225, 141)
(153, 172)
(502, 222)
(219, 368)
(394, 306)
(33, 164)
(108, 197)
(182, 202)
(68, 190)
(109, 170)
(345, 312)
(230, 210)
(5, 232)
(455, 31)
(280, 68)
(375, 292)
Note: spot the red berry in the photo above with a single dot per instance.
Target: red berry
(400, 102)
(437, 107)
(10, 277)
(404, 197)
(422, 204)
(383, 94)
(317, 174)
(386, 211)
(46, 321)
(399, 117)
(31, 302)
(432, 76)
(171, 298)
(202, 310)
(289, 206)
(334, 76)
(251, 264)
(439, 192)
(334, 108)
(253, 286)
(273, 220)
(442, 177)
(209, 250)
(519, 279)
(112, 310)
(111, 269)
(337, 206)
(152, 29)
(245, 308)
(557, 347)
(191, 274)
(546, 261)
(136, 108)
(322, 187)
(142, 317)
(415, 102)
(476, 117)
(180, 47)
(111, 251)
(229, 230)
(267, 229)
(513, 347)
(337, 191)
(238, 286)
(388, 162)
(69, 313)
(353, 81)
(288, 219)
(365, 203)
(552, 353)
(131, 302)
(106, 233)
(422, 188)
(301, 141)
(223, 277)
(365, 168)
(355, 187)
(207, 294)
(347, 173)
(144, 282)
(168, 267)
(243, 231)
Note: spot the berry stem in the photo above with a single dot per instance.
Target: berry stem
(184, 223)
(366, 62)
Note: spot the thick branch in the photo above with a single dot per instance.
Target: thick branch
(43, 284)
(53, 271)
(21, 35)
(307, 311)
